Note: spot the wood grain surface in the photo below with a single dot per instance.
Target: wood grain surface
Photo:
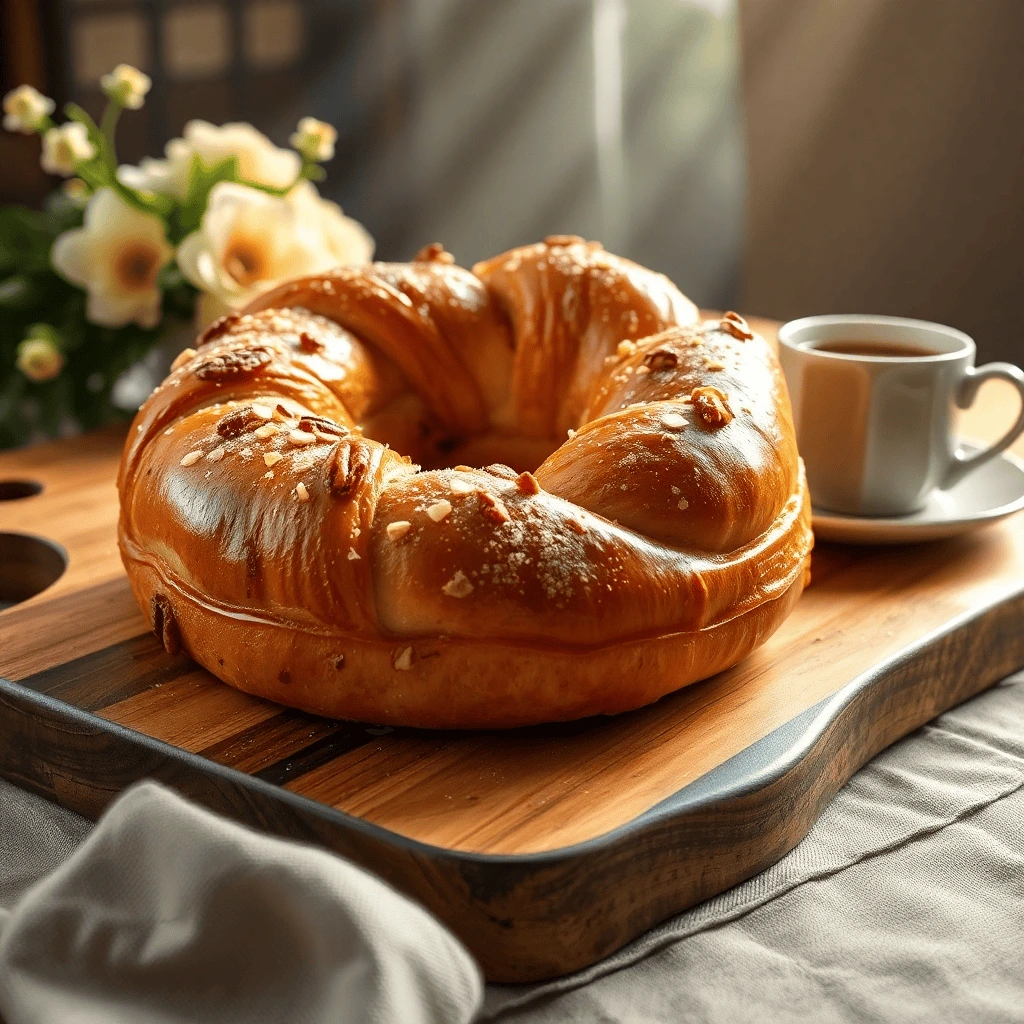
(543, 848)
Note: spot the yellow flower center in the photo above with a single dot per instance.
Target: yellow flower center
(245, 260)
(136, 266)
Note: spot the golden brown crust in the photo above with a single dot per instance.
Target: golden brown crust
(287, 548)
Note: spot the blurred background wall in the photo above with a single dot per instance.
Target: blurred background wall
(886, 161)
(788, 157)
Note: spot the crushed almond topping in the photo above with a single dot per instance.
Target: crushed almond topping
(673, 421)
(527, 483)
(182, 358)
(734, 324)
(570, 434)
(714, 364)
(263, 411)
(192, 458)
(300, 491)
(267, 430)
(403, 659)
(301, 437)
(281, 412)
(246, 453)
(640, 370)
(269, 475)
(321, 436)
(217, 454)
(712, 405)
(682, 504)
(576, 526)
(272, 458)
(353, 555)
(433, 253)
(458, 586)
(493, 508)
(439, 510)
(625, 348)
(398, 529)
(461, 486)
(463, 469)
(169, 430)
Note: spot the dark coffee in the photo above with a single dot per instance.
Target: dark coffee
(889, 349)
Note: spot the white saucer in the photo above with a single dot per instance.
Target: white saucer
(992, 492)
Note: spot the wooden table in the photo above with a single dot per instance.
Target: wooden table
(544, 849)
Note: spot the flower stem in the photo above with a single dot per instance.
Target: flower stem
(108, 126)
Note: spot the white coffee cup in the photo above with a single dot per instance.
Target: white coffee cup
(877, 432)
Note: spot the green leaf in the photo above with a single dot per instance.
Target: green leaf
(201, 180)
(18, 292)
(24, 240)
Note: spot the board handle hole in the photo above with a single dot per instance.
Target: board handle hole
(12, 490)
(28, 565)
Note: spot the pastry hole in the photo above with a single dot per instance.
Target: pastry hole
(13, 490)
(28, 565)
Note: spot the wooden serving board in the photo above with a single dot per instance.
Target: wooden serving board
(544, 849)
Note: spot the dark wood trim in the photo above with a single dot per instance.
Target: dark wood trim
(537, 916)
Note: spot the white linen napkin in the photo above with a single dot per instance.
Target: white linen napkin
(170, 914)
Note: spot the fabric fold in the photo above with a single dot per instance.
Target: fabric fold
(170, 914)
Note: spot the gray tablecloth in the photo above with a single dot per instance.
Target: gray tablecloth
(904, 903)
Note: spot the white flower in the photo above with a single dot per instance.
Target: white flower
(24, 108)
(39, 359)
(116, 257)
(150, 176)
(126, 85)
(259, 160)
(248, 241)
(315, 139)
(65, 147)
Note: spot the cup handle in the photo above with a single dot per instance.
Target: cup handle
(965, 395)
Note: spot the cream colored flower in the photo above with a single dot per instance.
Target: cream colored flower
(259, 160)
(126, 85)
(248, 241)
(347, 241)
(65, 147)
(116, 257)
(39, 359)
(24, 108)
(315, 139)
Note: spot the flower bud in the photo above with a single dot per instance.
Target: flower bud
(65, 147)
(25, 108)
(39, 358)
(77, 191)
(315, 139)
(126, 86)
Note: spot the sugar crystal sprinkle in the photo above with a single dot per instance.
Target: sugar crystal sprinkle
(272, 458)
(398, 529)
(439, 510)
(192, 458)
(682, 504)
(458, 586)
(353, 555)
